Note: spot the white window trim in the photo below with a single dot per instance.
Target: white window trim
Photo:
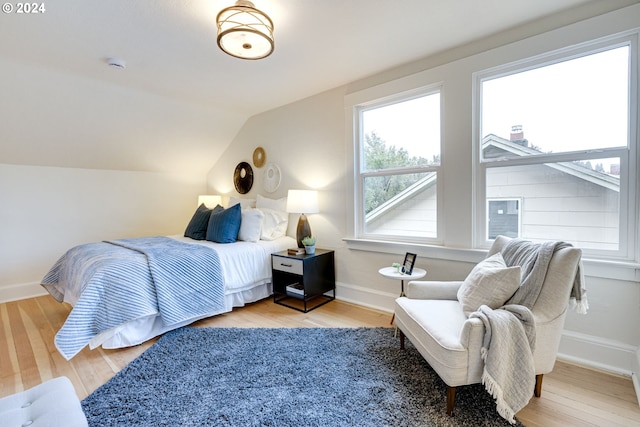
(629, 201)
(393, 92)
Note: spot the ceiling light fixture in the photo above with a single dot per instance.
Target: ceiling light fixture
(244, 31)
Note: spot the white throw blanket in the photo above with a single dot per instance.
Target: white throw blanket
(507, 352)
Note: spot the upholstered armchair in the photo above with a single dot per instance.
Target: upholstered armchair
(450, 338)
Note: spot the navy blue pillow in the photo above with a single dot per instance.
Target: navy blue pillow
(225, 225)
(197, 228)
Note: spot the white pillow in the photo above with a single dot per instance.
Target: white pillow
(275, 204)
(276, 218)
(274, 224)
(490, 283)
(244, 203)
(251, 225)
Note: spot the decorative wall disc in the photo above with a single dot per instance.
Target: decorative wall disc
(271, 178)
(243, 177)
(259, 157)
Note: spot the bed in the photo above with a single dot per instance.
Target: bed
(126, 291)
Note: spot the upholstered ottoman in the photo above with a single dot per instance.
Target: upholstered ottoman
(51, 404)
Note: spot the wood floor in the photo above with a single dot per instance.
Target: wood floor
(571, 395)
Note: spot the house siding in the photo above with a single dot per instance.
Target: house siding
(583, 213)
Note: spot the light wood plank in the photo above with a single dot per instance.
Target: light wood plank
(10, 381)
(571, 395)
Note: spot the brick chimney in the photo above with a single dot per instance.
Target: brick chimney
(517, 135)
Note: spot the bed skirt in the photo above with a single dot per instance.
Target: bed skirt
(140, 330)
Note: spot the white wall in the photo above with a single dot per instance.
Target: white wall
(69, 173)
(46, 210)
(305, 140)
(311, 140)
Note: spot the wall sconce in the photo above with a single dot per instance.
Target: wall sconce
(209, 201)
(302, 201)
(244, 31)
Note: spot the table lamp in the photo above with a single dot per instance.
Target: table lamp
(302, 202)
(209, 201)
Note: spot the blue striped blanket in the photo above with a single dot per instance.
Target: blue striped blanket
(123, 280)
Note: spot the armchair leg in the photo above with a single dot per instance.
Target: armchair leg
(538, 389)
(451, 400)
(401, 339)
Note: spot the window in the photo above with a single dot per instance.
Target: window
(554, 152)
(504, 217)
(398, 164)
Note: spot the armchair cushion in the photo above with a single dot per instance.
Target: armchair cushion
(490, 283)
(417, 289)
(444, 336)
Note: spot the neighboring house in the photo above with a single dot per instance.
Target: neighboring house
(564, 199)
(418, 211)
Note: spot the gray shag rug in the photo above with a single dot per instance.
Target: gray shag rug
(283, 377)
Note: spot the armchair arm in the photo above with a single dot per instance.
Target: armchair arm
(417, 289)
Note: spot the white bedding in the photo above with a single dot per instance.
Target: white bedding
(246, 268)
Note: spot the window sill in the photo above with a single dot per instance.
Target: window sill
(427, 251)
(606, 269)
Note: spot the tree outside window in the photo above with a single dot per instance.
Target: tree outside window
(400, 159)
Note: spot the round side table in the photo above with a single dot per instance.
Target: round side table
(393, 273)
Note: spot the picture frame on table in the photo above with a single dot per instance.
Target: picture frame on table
(408, 263)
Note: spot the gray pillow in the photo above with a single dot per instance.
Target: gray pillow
(490, 283)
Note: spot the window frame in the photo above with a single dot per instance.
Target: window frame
(629, 155)
(360, 174)
(520, 201)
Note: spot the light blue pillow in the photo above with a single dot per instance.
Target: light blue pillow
(225, 225)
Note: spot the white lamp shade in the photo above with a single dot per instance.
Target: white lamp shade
(209, 201)
(302, 201)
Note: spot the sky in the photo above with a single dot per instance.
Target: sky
(413, 125)
(568, 106)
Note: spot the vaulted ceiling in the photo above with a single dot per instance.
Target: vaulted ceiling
(170, 51)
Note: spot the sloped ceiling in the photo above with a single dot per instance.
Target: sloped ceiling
(64, 99)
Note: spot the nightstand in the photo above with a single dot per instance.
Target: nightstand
(303, 282)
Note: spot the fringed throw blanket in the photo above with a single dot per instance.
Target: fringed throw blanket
(509, 341)
(507, 352)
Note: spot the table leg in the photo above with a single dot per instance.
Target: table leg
(402, 294)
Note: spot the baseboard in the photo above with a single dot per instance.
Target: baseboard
(21, 291)
(603, 354)
(365, 297)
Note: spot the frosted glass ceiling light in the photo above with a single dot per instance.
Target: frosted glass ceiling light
(244, 31)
